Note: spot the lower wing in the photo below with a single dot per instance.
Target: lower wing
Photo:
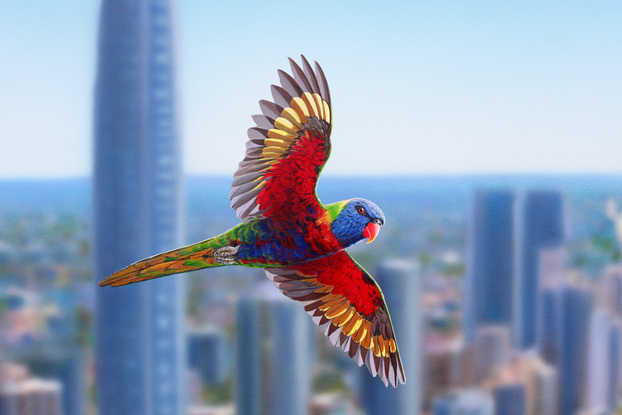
(345, 301)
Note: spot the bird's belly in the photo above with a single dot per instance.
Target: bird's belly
(275, 252)
(267, 244)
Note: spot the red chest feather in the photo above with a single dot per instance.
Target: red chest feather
(347, 281)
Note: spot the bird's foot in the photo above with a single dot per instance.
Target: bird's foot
(227, 255)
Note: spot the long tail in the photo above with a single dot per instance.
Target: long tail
(213, 252)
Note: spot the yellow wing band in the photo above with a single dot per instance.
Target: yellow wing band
(290, 123)
(343, 315)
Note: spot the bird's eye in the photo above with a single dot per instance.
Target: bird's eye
(360, 210)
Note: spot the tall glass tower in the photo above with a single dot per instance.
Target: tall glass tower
(576, 308)
(137, 191)
(274, 354)
(489, 281)
(541, 227)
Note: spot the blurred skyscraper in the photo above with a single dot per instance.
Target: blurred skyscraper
(401, 285)
(510, 399)
(609, 289)
(207, 353)
(603, 377)
(137, 190)
(576, 307)
(274, 354)
(540, 227)
(544, 390)
(489, 280)
(550, 326)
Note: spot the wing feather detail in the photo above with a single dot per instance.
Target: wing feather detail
(263, 121)
(322, 83)
(290, 84)
(287, 148)
(347, 305)
(281, 97)
(311, 76)
(269, 109)
(301, 77)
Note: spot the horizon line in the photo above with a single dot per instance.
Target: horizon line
(352, 176)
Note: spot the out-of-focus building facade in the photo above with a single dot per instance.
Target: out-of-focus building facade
(274, 354)
(541, 235)
(23, 394)
(488, 287)
(140, 353)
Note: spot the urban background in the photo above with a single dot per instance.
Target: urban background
(505, 289)
(516, 282)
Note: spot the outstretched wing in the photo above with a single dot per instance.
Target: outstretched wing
(343, 299)
(287, 148)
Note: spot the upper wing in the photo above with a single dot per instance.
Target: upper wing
(343, 299)
(287, 149)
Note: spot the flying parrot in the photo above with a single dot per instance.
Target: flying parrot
(287, 231)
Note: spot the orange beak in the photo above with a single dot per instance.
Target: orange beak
(371, 231)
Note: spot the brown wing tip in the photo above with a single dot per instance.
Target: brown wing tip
(120, 278)
(344, 327)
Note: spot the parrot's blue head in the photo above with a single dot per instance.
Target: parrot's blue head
(358, 219)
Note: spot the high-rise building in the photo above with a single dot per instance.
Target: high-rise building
(603, 377)
(510, 399)
(207, 353)
(544, 390)
(550, 325)
(401, 286)
(609, 289)
(576, 307)
(540, 220)
(137, 190)
(274, 354)
(489, 281)
(614, 355)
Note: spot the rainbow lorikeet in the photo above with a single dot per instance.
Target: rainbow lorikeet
(286, 230)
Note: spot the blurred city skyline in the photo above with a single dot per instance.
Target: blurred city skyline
(505, 290)
(418, 87)
(46, 296)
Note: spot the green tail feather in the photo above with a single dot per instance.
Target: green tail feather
(213, 252)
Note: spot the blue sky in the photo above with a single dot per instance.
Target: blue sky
(417, 86)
